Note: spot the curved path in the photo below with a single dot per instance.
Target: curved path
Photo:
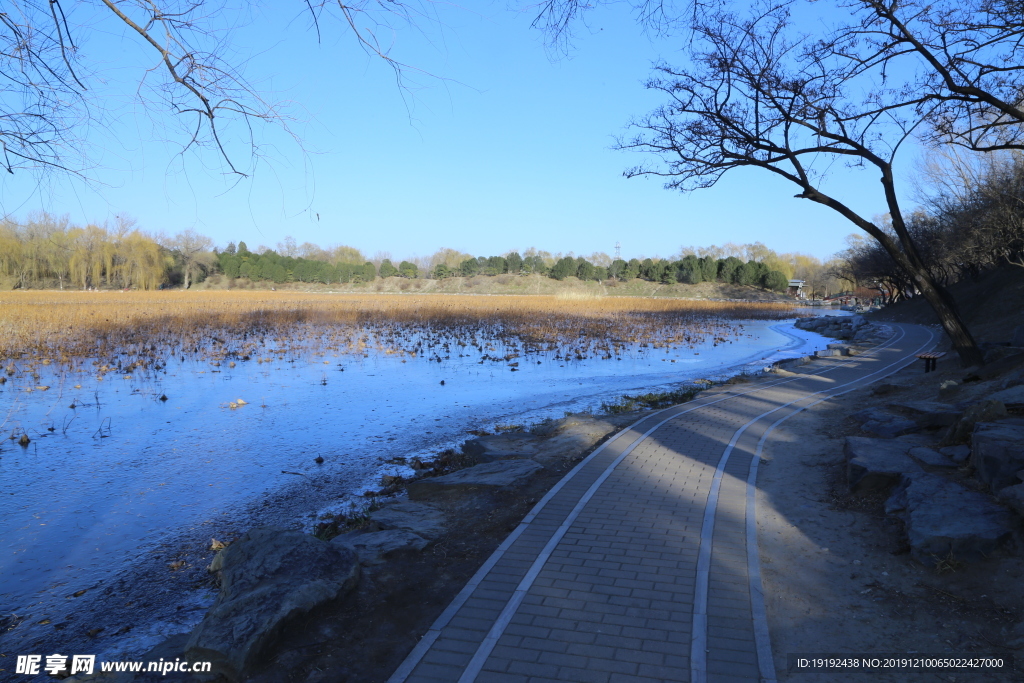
(641, 564)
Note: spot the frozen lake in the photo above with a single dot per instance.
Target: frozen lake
(112, 470)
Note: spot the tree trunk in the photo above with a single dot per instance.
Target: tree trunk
(945, 307)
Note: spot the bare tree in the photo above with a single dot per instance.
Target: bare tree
(760, 95)
(47, 76)
(194, 251)
(961, 64)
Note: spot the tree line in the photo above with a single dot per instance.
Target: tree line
(45, 251)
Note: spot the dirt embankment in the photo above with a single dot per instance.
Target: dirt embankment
(992, 306)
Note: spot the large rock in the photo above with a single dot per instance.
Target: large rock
(419, 518)
(876, 465)
(873, 415)
(942, 517)
(928, 413)
(788, 363)
(1017, 339)
(1012, 398)
(891, 429)
(959, 454)
(496, 446)
(931, 457)
(268, 578)
(997, 452)
(571, 437)
(373, 547)
(883, 423)
(985, 411)
(1000, 367)
(492, 475)
(1013, 496)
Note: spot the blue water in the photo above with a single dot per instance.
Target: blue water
(122, 471)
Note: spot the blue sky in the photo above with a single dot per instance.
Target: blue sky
(505, 146)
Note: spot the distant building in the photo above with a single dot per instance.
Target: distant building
(796, 288)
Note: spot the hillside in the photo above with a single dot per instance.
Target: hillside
(992, 306)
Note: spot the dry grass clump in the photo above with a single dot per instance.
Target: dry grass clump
(125, 331)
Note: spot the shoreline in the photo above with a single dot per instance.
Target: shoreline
(177, 596)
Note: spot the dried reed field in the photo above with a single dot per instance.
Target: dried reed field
(125, 331)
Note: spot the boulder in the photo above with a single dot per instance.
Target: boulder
(1013, 496)
(873, 415)
(492, 475)
(1015, 638)
(876, 465)
(1014, 379)
(571, 437)
(828, 353)
(997, 452)
(943, 517)
(1000, 352)
(268, 577)
(787, 363)
(928, 413)
(931, 457)
(958, 454)
(1000, 367)
(890, 428)
(373, 547)
(1012, 398)
(917, 439)
(497, 446)
(985, 411)
(1017, 339)
(419, 518)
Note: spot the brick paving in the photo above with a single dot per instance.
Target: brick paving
(608, 579)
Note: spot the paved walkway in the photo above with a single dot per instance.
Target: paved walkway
(641, 564)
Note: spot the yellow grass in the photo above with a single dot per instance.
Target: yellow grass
(122, 330)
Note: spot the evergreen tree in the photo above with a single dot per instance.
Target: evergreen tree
(747, 274)
(231, 265)
(690, 270)
(776, 281)
(406, 269)
(386, 269)
(514, 263)
(585, 269)
(469, 267)
(708, 268)
(496, 265)
(565, 267)
(727, 269)
(647, 269)
(632, 269)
